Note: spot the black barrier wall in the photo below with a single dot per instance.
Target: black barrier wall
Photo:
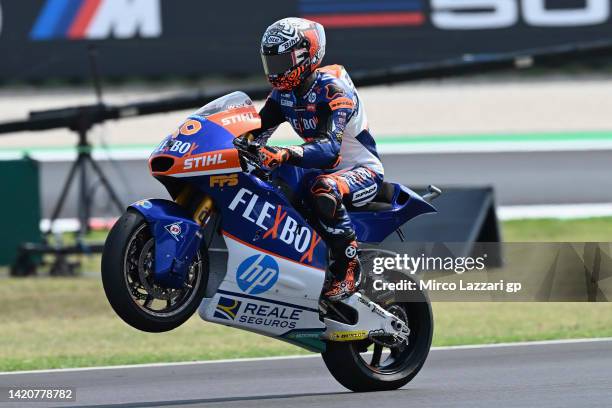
(42, 39)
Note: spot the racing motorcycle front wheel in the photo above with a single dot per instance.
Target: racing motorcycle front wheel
(364, 365)
(127, 275)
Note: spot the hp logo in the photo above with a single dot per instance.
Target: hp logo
(257, 274)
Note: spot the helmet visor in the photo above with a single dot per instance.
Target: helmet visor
(277, 64)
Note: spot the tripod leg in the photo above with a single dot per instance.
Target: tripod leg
(63, 194)
(107, 185)
(84, 199)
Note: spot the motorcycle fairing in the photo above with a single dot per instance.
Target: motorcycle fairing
(375, 226)
(258, 214)
(209, 151)
(268, 294)
(202, 145)
(260, 228)
(177, 239)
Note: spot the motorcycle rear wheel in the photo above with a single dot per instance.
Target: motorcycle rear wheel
(354, 368)
(127, 277)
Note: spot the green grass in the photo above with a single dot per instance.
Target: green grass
(553, 230)
(67, 322)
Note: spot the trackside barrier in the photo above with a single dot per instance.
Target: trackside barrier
(465, 217)
(20, 208)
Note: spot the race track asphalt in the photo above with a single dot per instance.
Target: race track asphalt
(575, 374)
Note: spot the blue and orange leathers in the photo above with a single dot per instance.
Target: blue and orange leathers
(329, 116)
(254, 213)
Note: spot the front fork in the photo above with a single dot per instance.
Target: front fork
(178, 227)
(202, 211)
(200, 207)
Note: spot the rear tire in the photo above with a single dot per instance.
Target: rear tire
(351, 368)
(127, 263)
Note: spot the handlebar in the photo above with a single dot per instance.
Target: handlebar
(249, 153)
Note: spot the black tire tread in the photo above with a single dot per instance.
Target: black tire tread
(117, 292)
(347, 368)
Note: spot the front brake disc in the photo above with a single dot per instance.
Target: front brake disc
(145, 273)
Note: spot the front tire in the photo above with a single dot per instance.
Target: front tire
(127, 266)
(352, 367)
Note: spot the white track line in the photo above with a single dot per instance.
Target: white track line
(493, 147)
(524, 343)
(556, 211)
(299, 357)
(153, 365)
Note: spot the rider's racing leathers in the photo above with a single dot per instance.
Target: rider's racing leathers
(331, 119)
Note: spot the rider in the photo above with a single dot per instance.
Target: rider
(324, 109)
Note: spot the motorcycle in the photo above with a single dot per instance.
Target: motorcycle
(156, 263)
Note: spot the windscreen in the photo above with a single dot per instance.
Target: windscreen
(231, 101)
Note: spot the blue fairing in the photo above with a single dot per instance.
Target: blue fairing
(177, 239)
(259, 215)
(372, 227)
(241, 208)
(210, 137)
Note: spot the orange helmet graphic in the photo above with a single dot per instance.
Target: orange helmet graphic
(291, 50)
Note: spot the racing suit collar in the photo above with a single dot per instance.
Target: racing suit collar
(306, 86)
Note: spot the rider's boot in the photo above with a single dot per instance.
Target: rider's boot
(346, 270)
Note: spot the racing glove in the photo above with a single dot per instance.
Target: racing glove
(273, 156)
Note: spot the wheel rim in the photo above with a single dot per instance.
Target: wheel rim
(386, 359)
(148, 296)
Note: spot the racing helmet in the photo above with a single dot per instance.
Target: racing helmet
(291, 50)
